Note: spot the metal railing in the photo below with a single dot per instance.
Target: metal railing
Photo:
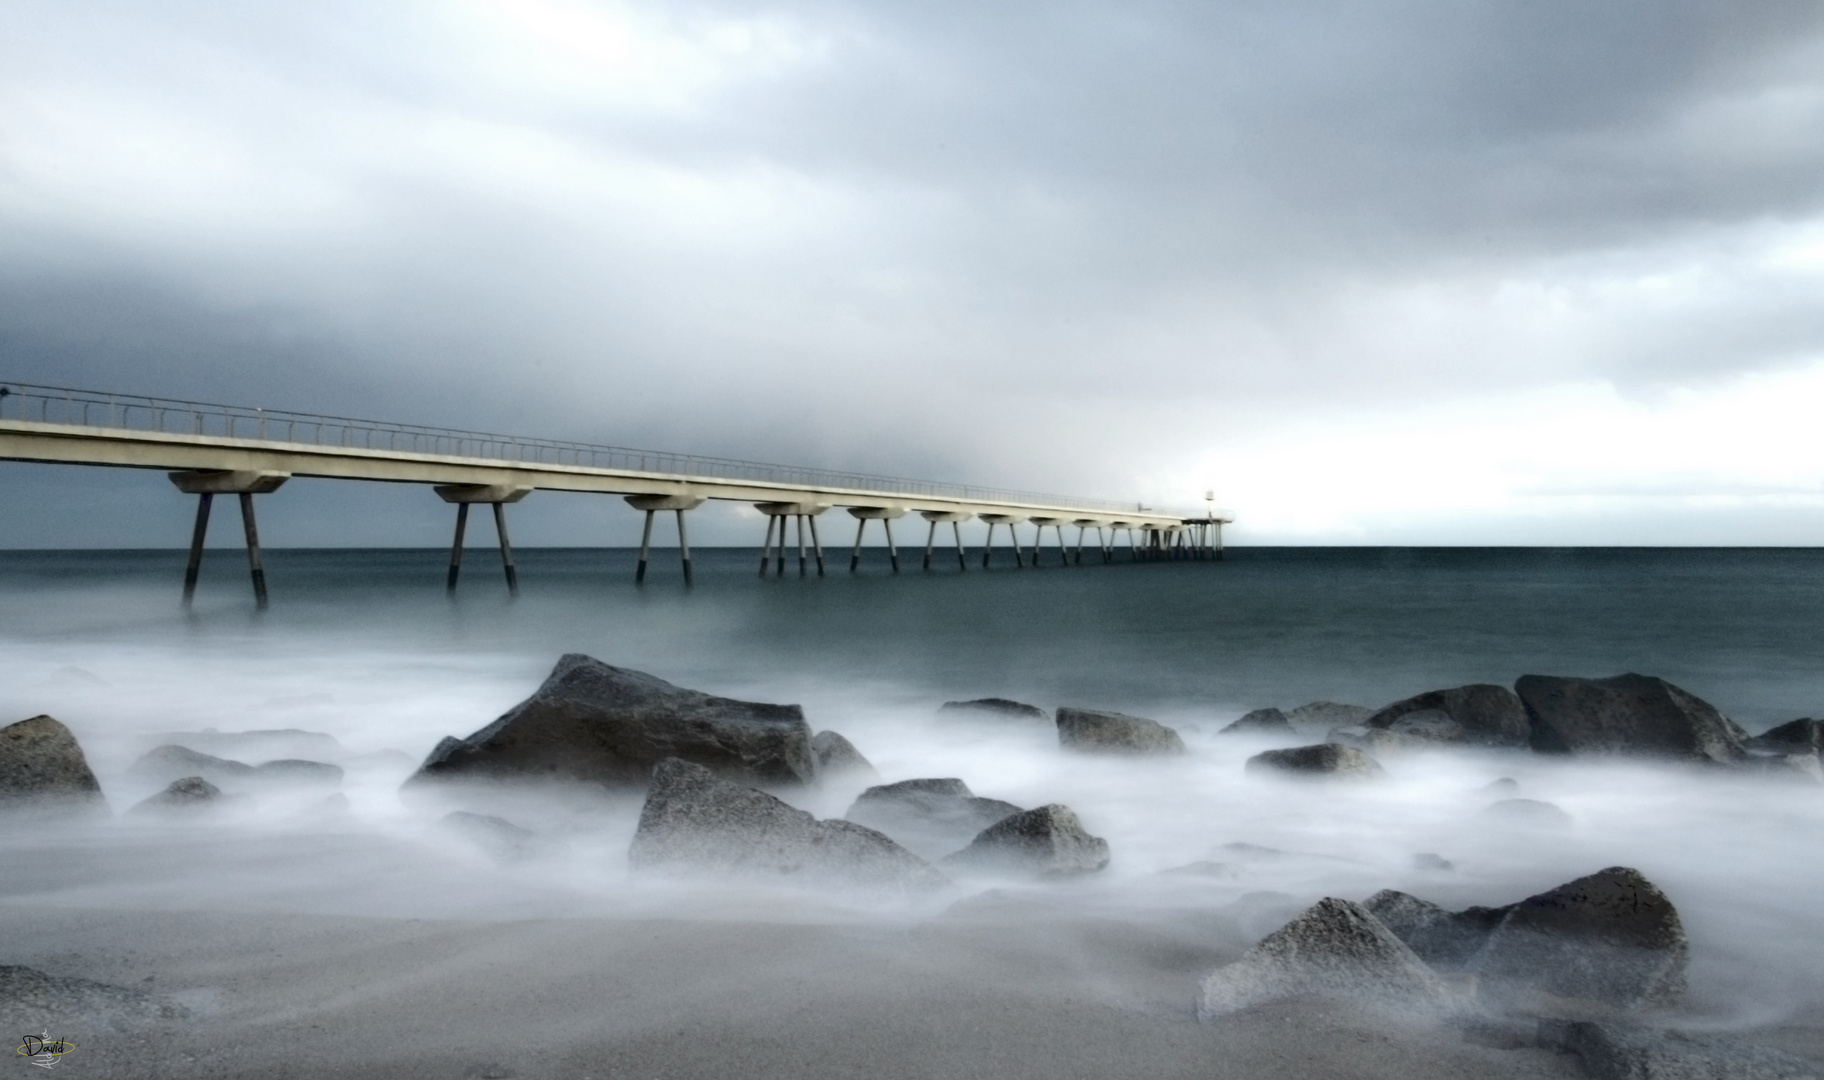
(86, 408)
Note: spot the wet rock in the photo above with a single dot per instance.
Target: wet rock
(1095, 731)
(164, 763)
(838, 756)
(595, 723)
(1804, 736)
(1320, 718)
(1260, 722)
(188, 795)
(1446, 940)
(1611, 937)
(694, 821)
(1530, 812)
(1049, 841)
(996, 706)
(1623, 1051)
(1626, 714)
(42, 769)
(1486, 715)
(261, 745)
(496, 836)
(32, 1001)
(1334, 947)
(1323, 760)
(1423, 729)
(931, 816)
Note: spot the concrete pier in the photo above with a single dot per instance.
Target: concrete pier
(652, 504)
(886, 515)
(205, 484)
(496, 496)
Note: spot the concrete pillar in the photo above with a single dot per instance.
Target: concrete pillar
(988, 545)
(639, 573)
(254, 565)
(861, 526)
(930, 542)
(1220, 554)
(683, 546)
(816, 544)
(1082, 530)
(766, 549)
(962, 561)
(651, 504)
(799, 533)
(506, 549)
(462, 528)
(892, 552)
(195, 565)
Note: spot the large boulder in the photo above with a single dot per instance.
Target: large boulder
(190, 794)
(931, 817)
(1260, 722)
(1334, 947)
(1446, 940)
(1486, 715)
(995, 706)
(1803, 736)
(837, 756)
(1626, 714)
(164, 763)
(1049, 842)
(42, 768)
(1095, 731)
(1324, 761)
(1320, 718)
(494, 836)
(695, 821)
(1612, 937)
(596, 723)
(1424, 729)
(1611, 1050)
(33, 1001)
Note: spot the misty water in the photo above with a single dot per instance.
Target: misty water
(367, 647)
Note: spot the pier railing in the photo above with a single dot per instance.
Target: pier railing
(92, 409)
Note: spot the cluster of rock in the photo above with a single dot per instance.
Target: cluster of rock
(31, 1000)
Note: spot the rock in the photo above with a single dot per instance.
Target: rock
(1623, 1051)
(1416, 730)
(1334, 947)
(1323, 760)
(42, 768)
(1806, 767)
(1049, 841)
(1626, 714)
(995, 706)
(262, 745)
(188, 795)
(595, 723)
(930, 817)
(1446, 940)
(1506, 785)
(496, 836)
(1486, 715)
(694, 820)
(302, 773)
(1533, 812)
(837, 755)
(1260, 722)
(1804, 736)
(1320, 718)
(1611, 937)
(1094, 731)
(32, 1001)
(166, 762)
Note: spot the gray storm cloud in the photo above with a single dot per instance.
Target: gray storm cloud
(1015, 243)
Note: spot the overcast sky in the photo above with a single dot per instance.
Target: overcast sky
(1376, 272)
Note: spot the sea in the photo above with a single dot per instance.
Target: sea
(368, 647)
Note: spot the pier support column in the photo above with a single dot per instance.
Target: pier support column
(930, 542)
(816, 544)
(799, 512)
(208, 483)
(861, 526)
(962, 559)
(506, 549)
(892, 552)
(988, 545)
(497, 496)
(766, 549)
(885, 515)
(462, 528)
(956, 519)
(652, 504)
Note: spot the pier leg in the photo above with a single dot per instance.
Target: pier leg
(1081, 532)
(816, 544)
(799, 534)
(892, 552)
(988, 546)
(1102, 543)
(1063, 551)
(1019, 549)
(1219, 551)
(683, 547)
(861, 526)
(506, 548)
(930, 542)
(462, 528)
(962, 563)
(253, 551)
(195, 565)
(766, 549)
(639, 575)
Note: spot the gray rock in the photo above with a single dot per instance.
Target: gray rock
(164, 763)
(930, 817)
(1320, 718)
(32, 1001)
(1486, 715)
(1531, 812)
(1095, 731)
(188, 795)
(1424, 729)
(262, 745)
(496, 836)
(300, 773)
(42, 769)
(1324, 760)
(1806, 767)
(1623, 1051)
(1611, 937)
(695, 821)
(995, 706)
(1447, 940)
(595, 723)
(1626, 714)
(1803, 736)
(1260, 722)
(837, 755)
(1049, 841)
(1334, 947)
